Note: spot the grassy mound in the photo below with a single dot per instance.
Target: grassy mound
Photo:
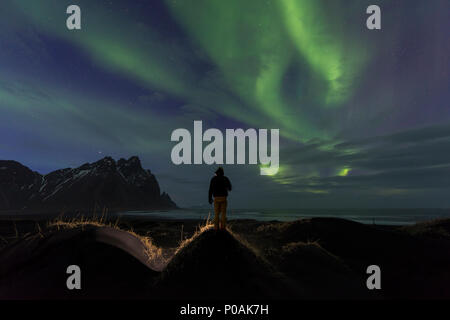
(317, 271)
(309, 258)
(113, 262)
(435, 229)
(214, 264)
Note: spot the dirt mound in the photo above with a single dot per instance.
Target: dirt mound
(216, 265)
(318, 272)
(436, 229)
(112, 262)
(343, 238)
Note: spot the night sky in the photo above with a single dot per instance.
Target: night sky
(364, 115)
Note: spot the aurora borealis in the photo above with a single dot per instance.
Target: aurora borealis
(364, 115)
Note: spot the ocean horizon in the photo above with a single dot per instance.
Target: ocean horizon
(365, 216)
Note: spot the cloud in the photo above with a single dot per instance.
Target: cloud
(398, 164)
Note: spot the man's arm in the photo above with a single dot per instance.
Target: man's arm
(210, 191)
(229, 184)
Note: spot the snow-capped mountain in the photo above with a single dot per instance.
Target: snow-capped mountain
(103, 184)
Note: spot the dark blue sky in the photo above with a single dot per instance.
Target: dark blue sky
(364, 115)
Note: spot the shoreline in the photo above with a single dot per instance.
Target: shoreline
(174, 215)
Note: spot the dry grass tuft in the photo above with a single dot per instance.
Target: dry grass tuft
(435, 228)
(300, 244)
(208, 224)
(244, 242)
(155, 255)
(81, 221)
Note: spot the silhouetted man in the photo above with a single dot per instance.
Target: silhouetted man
(219, 187)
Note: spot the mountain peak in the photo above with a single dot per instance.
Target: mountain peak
(106, 161)
(133, 162)
(116, 185)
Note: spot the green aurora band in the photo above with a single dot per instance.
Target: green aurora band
(252, 51)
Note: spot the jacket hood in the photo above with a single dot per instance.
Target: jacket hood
(219, 171)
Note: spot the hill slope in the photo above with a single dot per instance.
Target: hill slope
(216, 265)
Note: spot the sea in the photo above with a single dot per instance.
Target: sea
(366, 216)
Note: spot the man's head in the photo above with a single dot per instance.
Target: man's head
(219, 171)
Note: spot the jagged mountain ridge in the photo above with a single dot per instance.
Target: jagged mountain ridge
(106, 183)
